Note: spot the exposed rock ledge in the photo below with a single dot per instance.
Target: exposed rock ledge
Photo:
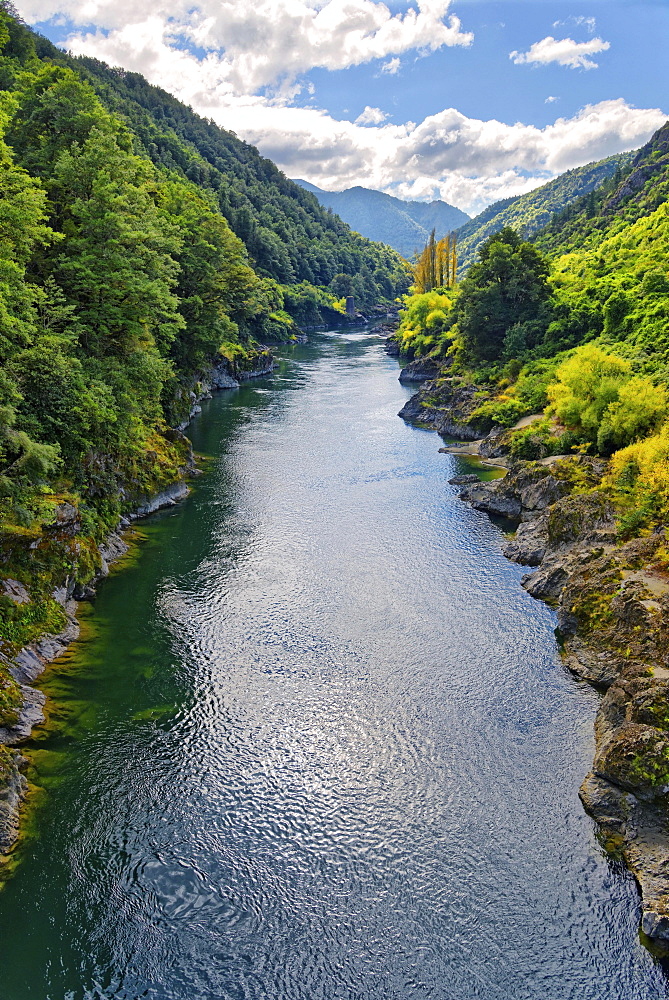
(612, 603)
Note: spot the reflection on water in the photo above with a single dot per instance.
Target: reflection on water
(317, 743)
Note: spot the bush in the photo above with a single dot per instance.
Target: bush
(639, 475)
(503, 410)
(425, 323)
(536, 441)
(597, 397)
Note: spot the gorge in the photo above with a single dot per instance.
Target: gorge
(316, 741)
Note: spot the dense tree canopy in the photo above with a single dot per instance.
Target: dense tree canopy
(138, 243)
(501, 309)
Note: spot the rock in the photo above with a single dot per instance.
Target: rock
(13, 790)
(31, 714)
(15, 591)
(528, 546)
(609, 804)
(421, 370)
(66, 521)
(113, 547)
(547, 582)
(167, 498)
(221, 378)
(493, 502)
(463, 480)
(446, 407)
(495, 444)
(635, 758)
(580, 519)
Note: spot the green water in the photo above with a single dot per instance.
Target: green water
(316, 742)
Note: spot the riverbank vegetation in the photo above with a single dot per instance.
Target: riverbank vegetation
(139, 246)
(574, 325)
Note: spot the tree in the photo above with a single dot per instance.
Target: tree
(506, 287)
(118, 259)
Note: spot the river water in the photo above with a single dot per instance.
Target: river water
(316, 742)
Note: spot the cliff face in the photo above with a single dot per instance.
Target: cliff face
(612, 603)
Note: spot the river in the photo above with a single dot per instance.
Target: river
(316, 742)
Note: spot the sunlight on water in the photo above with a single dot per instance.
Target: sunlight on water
(317, 743)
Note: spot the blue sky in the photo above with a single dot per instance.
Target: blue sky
(467, 100)
(482, 82)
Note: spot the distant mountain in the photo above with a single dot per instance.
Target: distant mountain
(528, 213)
(403, 225)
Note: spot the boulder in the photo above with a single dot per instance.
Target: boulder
(421, 370)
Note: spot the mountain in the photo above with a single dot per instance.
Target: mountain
(403, 225)
(531, 212)
(615, 204)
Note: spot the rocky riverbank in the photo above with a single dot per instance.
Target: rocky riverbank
(612, 601)
(25, 665)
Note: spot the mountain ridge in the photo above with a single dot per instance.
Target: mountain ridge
(533, 211)
(403, 225)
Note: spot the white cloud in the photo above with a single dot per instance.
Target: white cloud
(468, 162)
(392, 66)
(587, 22)
(465, 161)
(268, 42)
(371, 116)
(564, 51)
(551, 100)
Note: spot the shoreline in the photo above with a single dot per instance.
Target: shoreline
(31, 660)
(612, 605)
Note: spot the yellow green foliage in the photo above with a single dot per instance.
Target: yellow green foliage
(625, 281)
(596, 396)
(424, 322)
(639, 474)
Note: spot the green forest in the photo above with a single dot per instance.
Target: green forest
(531, 213)
(139, 245)
(572, 324)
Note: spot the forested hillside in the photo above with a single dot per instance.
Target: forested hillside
(532, 212)
(404, 225)
(138, 244)
(575, 323)
(595, 216)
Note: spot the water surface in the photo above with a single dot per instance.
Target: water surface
(317, 743)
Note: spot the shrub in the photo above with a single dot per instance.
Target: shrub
(639, 474)
(424, 323)
(597, 397)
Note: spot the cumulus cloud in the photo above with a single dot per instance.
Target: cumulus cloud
(270, 41)
(551, 100)
(564, 51)
(371, 116)
(466, 161)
